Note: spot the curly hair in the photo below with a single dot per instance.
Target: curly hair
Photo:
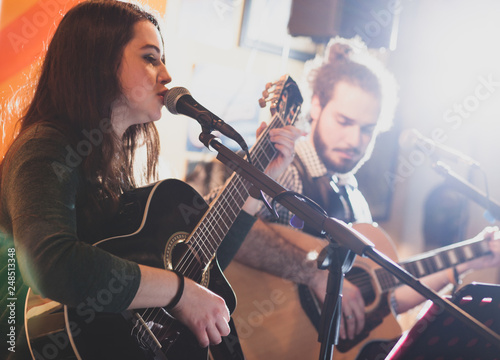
(349, 60)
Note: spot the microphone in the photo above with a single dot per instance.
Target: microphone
(413, 138)
(179, 101)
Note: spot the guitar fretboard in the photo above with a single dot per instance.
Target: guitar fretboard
(227, 205)
(434, 261)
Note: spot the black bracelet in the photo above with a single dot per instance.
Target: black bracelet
(179, 292)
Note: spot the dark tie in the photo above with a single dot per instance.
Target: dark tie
(338, 205)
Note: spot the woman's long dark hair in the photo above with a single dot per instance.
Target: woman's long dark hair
(78, 83)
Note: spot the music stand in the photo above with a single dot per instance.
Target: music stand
(438, 335)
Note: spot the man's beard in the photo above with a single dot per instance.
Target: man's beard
(322, 151)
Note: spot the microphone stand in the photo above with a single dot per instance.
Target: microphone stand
(343, 238)
(338, 261)
(464, 187)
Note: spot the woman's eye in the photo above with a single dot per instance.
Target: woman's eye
(150, 58)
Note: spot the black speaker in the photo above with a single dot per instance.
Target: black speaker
(375, 21)
(317, 19)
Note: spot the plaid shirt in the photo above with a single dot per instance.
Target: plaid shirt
(290, 179)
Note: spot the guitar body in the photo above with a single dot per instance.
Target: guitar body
(272, 324)
(171, 210)
(277, 317)
(269, 319)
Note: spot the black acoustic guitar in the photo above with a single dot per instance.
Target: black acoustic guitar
(177, 230)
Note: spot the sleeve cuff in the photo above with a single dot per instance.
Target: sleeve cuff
(234, 238)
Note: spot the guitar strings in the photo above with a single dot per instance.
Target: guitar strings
(268, 145)
(387, 280)
(201, 242)
(184, 261)
(184, 266)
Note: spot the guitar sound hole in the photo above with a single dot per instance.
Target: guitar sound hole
(363, 281)
(185, 259)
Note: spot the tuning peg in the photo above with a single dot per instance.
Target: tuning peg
(262, 102)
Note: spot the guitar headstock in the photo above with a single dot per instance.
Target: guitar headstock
(285, 99)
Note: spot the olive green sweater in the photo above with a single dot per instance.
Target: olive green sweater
(39, 214)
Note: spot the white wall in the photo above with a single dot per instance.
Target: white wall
(187, 49)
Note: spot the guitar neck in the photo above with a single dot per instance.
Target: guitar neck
(216, 222)
(434, 261)
(227, 205)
